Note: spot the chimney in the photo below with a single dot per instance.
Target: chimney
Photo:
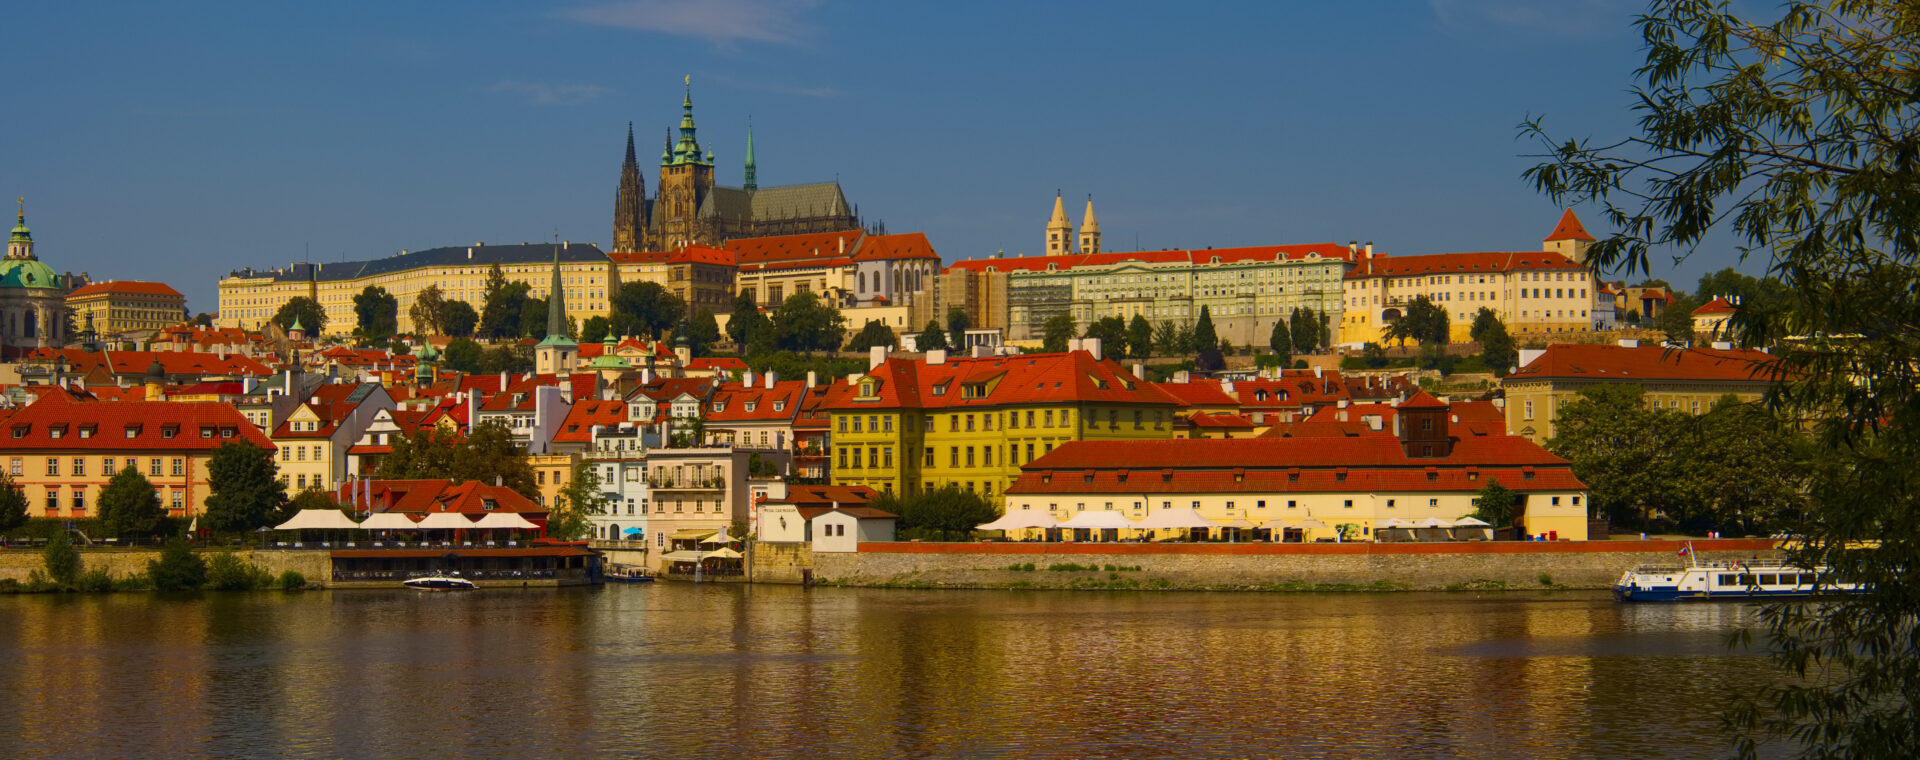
(1629, 343)
(1316, 372)
(876, 356)
(1226, 386)
(1139, 371)
(843, 244)
(498, 481)
(1091, 346)
(1341, 403)
(1353, 247)
(746, 379)
(1369, 249)
(813, 378)
(1073, 344)
(854, 377)
(772, 377)
(1181, 376)
(936, 356)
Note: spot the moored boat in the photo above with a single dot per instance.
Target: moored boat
(439, 583)
(628, 574)
(1735, 579)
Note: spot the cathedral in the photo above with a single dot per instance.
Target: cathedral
(688, 208)
(33, 299)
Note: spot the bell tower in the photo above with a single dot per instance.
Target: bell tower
(1089, 230)
(686, 177)
(1059, 230)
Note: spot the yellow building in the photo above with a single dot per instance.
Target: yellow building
(61, 453)
(551, 474)
(909, 426)
(249, 298)
(125, 306)
(1688, 380)
(1534, 292)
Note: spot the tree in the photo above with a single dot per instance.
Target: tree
(463, 355)
(487, 452)
(129, 506)
(427, 309)
(1628, 455)
(701, 331)
(1139, 338)
(178, 568)
(61, 560)
(874, 333)
(807, 324)
(1745, 473)
(1281, 341)
(1055, 332)
(1422, 321)
(509, 359)
(595, 329)
(244, 491)
(570, 516)
(376, 313)
(946, 514)
(458, 319)
(1496, 346)
(202, 319)
(13, 505)
(1677, 319)
(1303, 326)
(1495, 504)
(1207, 355)
(746, 322)
(306, 311)
(1374, 355)
(533, 317)
(646, 309)
(312, 498)
(1112, 334)
(957, 325)
(932, 338)
(1170, 339)
(501, 305)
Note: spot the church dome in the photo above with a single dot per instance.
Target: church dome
(26, 273)
(20, 231)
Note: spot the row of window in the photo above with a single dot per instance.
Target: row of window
(78, 466)
(176, 500)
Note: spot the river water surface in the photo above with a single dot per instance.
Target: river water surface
(720, 671)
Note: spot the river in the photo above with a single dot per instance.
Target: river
(718, 671)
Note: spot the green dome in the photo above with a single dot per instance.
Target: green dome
(22, 273)
(20, 233)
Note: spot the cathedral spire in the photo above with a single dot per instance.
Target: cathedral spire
(556, 301)
(1059, 230)
(20, 245)
(1089, 230)
(687, 151)
(629, 203)
(752, 181)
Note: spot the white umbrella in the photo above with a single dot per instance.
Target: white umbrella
(1433, 522)
(1237, 523)
(684, 555)
(318, 519)
(718, 538)
(1471, 522)
(388, 521)
(1280, 524)
(1397, 523)
(444, 521)
(1020, 519)
(504, 521)
(1183, 517)
(1098, 519)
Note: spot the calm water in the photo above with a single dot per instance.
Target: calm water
(679, 671)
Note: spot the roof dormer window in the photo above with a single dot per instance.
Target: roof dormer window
(20, 431)
(133, 430)
(86, 431)
(169, 431)
(56, 431)
(751, 405)
(779, 406)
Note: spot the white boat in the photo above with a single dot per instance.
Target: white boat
(1733, 579)
(447, 582)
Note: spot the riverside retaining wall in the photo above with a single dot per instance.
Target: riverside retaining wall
(316, 565)
(1584, 564)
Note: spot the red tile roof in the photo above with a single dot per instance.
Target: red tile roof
(1023, 379)
(128, 425)
(700, 254)
(721, 363)
(1220, 421)
(1718, 305)
(126, 287)
(1604, 362)
(735, 399)
(1198, 392)
(1193, 257)
(911, 245)
(786, 248)
(436, 495)
(578, 427)
(80, 361)
(1461, 263)
(824, 497)
(1422, 400)
(1569, 228)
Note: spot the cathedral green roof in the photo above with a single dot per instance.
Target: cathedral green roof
(25, 273)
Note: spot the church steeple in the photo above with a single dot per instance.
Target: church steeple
(20, 245)
(687, 151)
(1059, 230)
(752, 180)
(556, 301)
(557, 352)
(1089, 230)
(629, 217)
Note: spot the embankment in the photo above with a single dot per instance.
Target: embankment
(17, 563)
(1516, 565)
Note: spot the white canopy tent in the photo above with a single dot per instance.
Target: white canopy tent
(505, 521)
(1471, 522)
(1021, 519)
(1237, 523)
(1099, 520)
(444, 521)
(388, 521)
(319, 519)
(720, 538)
(1183, 517)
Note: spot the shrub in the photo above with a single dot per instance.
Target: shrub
(1546, 580)
(9, 586)
(96, 581)
(135, 582)
(178, 568)
(292, 580)
(62, 560)
(228, 572)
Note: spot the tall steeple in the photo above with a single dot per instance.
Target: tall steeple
(20, 245)
(629, 217)
(557, 353)
(752, 181)
(1089, 230)
(687, 151)
(1059, 230)
(556, 301)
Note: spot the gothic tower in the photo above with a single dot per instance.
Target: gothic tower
(1089, 230)
(629, 204)
(1059, 230)
(752, 181)
(686, 177)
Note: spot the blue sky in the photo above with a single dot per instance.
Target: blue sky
(156, 141)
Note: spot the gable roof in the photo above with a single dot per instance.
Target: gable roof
(1642, 363)
(1074, 376)
(1719, 305)
(910, 245)
(788, 248)
(1486, 262)
(1569, 228)
(128, 425)
(126, 287)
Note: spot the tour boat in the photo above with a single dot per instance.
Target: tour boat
(1733, 579)
(628, 574)
(440, 583)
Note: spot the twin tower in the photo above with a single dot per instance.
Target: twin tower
(1060, 231)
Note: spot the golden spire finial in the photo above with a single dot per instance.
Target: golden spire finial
(689, 80)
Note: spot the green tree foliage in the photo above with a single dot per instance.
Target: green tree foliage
(501, 305)
(873, 333)
(1627, 454)
(463, 355)
(533, 317)
(129, 506)
(573, 508)
(244, 491)
(1677, 320)
(1496, 346)
(746, 322)
(1374, 356)
(946, 514)
(312, 498)
(507, 358)
(304, 310)
(178, 568)
(487, 452)
(646, 309)
(1139, 338)
(1495, 504)
(1306, 329)
(61, 560)
(1745, 473)
(228, 572)
(932, 338)
(1170, 339)
(1281, 341)
(1423, 322)
(1112, 332)
(427, 309)
(458, 319)
(807, 324)
(1207, 356)
(701, 330)
(1055, 332)
(595, 329)
(376, 313)
(13, 505)
(202, 319)
(958, 323)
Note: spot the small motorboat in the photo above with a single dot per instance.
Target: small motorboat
(628, 574)
(447, 582)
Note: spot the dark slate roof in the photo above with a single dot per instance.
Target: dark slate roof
(481, 255)
(774, 203)
(727, 203)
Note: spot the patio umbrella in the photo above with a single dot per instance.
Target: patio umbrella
(1433, 522)
(1099, 519)
(318, 519)
(720, 538)
(631, 532)
(1471, 522)
(1397, 523)
(1237, 523)
(1183, 517)
(444, 521)
(722, 553)
(504, 521)
(388, 521)
(1020, 519)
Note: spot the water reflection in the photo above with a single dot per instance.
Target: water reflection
(686, 671)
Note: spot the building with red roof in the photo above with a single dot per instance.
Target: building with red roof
(1689, 380)
(126, 306)
(1711, 321)
(61, 452)
(1312, 486)
(314, 438)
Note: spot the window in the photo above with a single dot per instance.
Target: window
(843, 423)
(1349, 504)
(1389, 504)
(1292, 503)
(1576, 501)
(13, 468)
(79, 499)
(53, 465)
(886, 457)
(179, 500)
(843, 457)
(986, 456)
(886, 424)
(79, 467)
(1433, 502)
(53, 500)
(873, 423)
(153, 466)
(873, 457)
(180, 468)
(1229, 506)
(1527, 410)
(1556, 501)
(953, 456)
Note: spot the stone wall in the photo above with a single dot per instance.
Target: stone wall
(1262, 566)
(17, 563)
(780, 562)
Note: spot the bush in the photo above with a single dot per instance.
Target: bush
(178, 568)
(228, 572)
(62, 560)
(135, 582)
(292, 580)
(95, 581)
(9, 586)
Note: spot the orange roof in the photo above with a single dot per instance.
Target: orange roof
(722, 363)
(818, 245)
(911, 245)
(127, 287)
(1022, 379)
(641, 257)
(1569, 228)
(781, 402)
(80, 361)
(1379, 449)
(1718, 305)
(581, 419)
(1590, 362)
(700, 254)
(1461, 263)
(128, 425)
(1195, 257)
